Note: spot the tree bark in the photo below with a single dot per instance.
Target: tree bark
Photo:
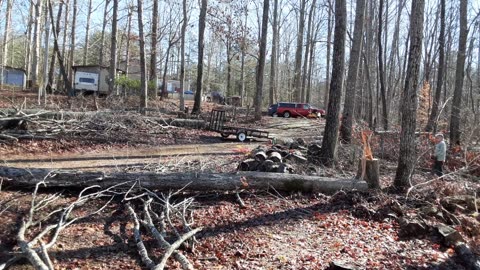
(129, 33)
(273, 62)
(143, 62)
(112, 71)
(6, 38)
(53, 60)
(72, 46)
(201, 45)
(182, 55)
(297, 77)
(329, 143)
(329, 39)
(102, 37)
(350, 94)
(407, 157)
(87, 33)
(305, 96)
(175, 181)
(381, 70)
(36, 42)
(459, 76)
(432, 120)
(68, 85)
(153, 50)
(261, 62)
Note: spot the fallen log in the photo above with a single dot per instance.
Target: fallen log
(174, 181)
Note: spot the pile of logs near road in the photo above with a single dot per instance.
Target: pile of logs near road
(277, 158)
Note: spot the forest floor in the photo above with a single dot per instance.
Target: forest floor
(272, 231)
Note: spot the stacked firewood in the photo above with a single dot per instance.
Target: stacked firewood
(277, 159)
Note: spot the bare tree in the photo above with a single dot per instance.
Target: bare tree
(182, 54)
(87, 33)
(53, 58)
(349, 106)
(6, 38)
(143, 62)
(129, 33)
(102, 37)
(432, 120)
(201, 45)
(36, 42)
(304, 93)
(261, 62)
(329, 143)
(72, 44)
(459, 76)
(406, 160)
(329, 39)
(61, 61)
(381, 70)
(273, 62)
(113, 49)
(153, 47)
(297, 79)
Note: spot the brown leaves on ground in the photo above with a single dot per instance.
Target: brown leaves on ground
(272, 232)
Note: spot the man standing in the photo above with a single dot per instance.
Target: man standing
(439, 154)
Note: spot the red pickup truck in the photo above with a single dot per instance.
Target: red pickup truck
(288, 109)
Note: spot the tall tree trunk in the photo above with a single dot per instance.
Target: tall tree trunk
(182, 55)
(261, 62)
(51, 70)
(329, 39)
(129, 33)
(459, 76)
(102, 37)
(432, 120)
(201, 45)
(229, 69)
(381, 70)
(68, 85)
(165, 69)
(349, 106)
(407, 157)
(42, 90)
(329, 143)
(29, 43)
(113, 50)
(297, 77)
(313, 38)
(143, 62)
(153, 50)
(87, 33)
(6, 38)
(273, 62)
(307, 51)
(36, 42)
(72, 44)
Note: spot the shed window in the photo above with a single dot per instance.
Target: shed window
(86, 80)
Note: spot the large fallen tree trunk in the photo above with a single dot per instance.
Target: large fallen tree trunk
(175, 181)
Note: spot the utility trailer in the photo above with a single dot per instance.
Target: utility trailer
(217, 123)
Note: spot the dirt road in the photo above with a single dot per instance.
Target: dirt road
(219, 155)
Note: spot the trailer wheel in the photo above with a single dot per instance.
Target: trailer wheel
(241, 136)
(224, 135)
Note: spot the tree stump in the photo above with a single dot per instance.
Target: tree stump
(370, 171)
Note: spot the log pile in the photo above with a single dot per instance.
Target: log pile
(291, 156)
(276, 159)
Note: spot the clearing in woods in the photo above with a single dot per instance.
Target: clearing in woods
(252, 230)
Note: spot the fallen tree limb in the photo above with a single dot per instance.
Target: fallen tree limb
(174, 181)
